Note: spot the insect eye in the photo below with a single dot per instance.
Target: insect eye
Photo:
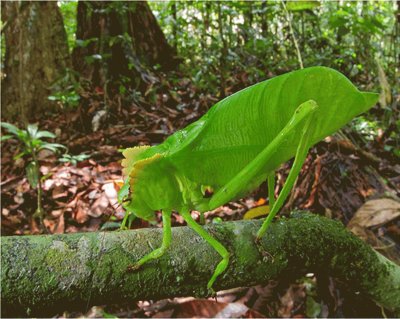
(207, 191)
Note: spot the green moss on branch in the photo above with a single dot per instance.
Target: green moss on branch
(47, 274)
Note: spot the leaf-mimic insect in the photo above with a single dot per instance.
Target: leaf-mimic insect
(237, 145)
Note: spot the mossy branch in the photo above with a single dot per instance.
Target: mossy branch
(44, 275)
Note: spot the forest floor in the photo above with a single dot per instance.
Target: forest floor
(343, 178)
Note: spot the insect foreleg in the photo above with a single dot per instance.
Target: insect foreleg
(301, 153)
(166, 242)
(221, 267)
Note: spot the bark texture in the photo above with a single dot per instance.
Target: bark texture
(117, 39)
(43, 275)
(36, 55)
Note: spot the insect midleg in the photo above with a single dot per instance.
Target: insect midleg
(202, 219)
(223, 264)
(166, 242)
(301, 153)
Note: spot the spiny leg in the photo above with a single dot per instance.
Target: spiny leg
(166, 242)
(202, 219)
(301, 153)
(271, 198)
(221, 267)
(258, 165)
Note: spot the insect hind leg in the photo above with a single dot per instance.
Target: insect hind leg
(301, 154)
(166, 242)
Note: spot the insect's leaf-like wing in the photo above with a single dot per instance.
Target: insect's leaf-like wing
(238, 128)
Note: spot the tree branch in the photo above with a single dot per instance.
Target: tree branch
(47, 274)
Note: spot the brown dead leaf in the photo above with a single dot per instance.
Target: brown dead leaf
(48, 183)
(81, 215)
(56, 213)
(74, 202)
(19, 198)
(99, 206)
(294, 296)
(55, 226)
(34, 227)
(199, 308)
(59, 192)
(316, 182)
(375, 213)
(111, 193)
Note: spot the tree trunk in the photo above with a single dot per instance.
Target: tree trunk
(44, 275)
(224, 50)
(264, 19)
(175, 25)
(118, 40)
(36, 55)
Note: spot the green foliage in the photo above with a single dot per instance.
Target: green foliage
(368, 129)
(32, 141)
(65, 90)
(313, 308)
(254, 38)
(68, 10)
(302, 5)
(73, 159)
(66, 98)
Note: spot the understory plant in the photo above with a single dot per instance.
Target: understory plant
(32, 141)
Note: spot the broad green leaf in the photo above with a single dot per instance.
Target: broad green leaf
(301, 5)
(32, 174)
(19, 155)
(257, 212)
(24, 136)
(32, 130)
(36, 142)
(42, 134)
(49, 147)
(81, 157)
(54, 147)
(11, 128)
(5, 137)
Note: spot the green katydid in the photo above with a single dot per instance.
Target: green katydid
(237, 145)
